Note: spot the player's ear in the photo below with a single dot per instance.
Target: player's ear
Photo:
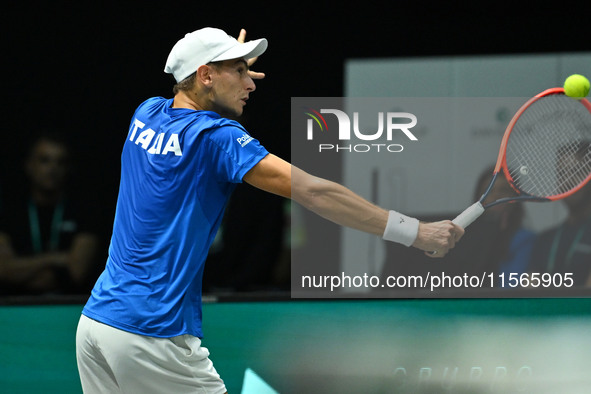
(204, 75)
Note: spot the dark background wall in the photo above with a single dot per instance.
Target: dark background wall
(84, 67)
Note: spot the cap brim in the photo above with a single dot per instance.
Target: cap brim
(247, 50)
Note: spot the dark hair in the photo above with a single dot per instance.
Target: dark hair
(518, 211)
(187, 83)
(482, 182)
(55, 137)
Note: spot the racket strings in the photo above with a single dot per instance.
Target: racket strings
(552, 176)
(531, 172)
(579, 169)
(549, 148)
(546, 178)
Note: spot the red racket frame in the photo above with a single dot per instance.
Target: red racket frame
(502, 158)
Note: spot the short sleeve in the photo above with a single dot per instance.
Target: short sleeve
(233, 152)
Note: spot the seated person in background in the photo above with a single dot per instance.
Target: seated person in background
(495, 243)
(567, 247)
(46, 243)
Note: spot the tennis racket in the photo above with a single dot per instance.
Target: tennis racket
(545, 153)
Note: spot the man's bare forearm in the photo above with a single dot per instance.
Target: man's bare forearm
(337, 203)
(344, 207)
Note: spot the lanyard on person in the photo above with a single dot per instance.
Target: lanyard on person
(56, 223)
(571, 249)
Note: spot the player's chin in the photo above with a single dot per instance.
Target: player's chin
(238, 109)
(232, 113)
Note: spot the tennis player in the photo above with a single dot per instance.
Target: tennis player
(140, 331)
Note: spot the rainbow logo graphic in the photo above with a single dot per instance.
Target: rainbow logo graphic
(317, 117)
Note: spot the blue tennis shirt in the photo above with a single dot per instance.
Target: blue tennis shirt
(178, 169)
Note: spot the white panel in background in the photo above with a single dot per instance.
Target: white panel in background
(415, 77)
(504, 76)
(573, 63)
(437, 175)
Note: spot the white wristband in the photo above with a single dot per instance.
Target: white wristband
(401, 229)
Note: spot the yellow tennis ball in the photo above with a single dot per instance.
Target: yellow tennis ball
(576, 86)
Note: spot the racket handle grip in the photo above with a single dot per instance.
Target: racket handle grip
(469, 215)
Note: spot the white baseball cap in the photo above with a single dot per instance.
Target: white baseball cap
(208, 45)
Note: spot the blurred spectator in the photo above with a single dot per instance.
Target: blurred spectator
(47, 242)
(511, 245)
(567, 247)
(496, 242)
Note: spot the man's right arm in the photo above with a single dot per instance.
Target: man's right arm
(342, 206)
